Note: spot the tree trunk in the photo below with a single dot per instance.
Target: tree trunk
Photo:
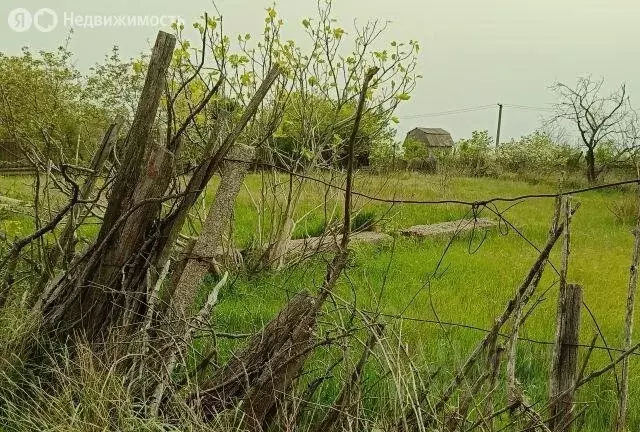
(274, 258)
(590, 157)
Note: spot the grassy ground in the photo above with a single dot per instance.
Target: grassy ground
(475, 278)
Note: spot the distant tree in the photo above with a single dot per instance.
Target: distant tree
(294, 142)
(600, 119)
(479, 141)
(538, 153)
(51, 111)
(473, 153)
(414, 150)
(115, 84)
(39, 107)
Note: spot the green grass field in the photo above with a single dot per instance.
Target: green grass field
(474, 281)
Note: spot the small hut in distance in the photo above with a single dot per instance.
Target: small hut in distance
(437, 141)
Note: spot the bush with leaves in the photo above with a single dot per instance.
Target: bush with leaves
(385, 156)
(49, 110)
(473, 155)
(415, 153)
(295, 142)
(536, 153)
(115, 84)
(41, 107)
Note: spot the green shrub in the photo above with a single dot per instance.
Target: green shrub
(414, 150)
(473, 155)
(364, 221)
(417, 157)
(537, 153)
(384, 157)
(606, 154)
(310, 227)
(532, 157)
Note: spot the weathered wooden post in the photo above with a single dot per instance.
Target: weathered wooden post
(102, 299)
(564, 363)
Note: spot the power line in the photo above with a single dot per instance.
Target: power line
(450, 112)
(529, 108)
(476, 109)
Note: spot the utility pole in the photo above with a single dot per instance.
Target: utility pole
(499, 126)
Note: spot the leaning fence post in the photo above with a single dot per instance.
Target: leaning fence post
(564, 362)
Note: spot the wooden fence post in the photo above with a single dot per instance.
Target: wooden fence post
(564, 362)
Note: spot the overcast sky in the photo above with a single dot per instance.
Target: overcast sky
(474, 52)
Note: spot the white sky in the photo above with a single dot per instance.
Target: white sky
(474, 52)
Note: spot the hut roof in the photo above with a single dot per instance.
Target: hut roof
(434, 131)
(432, 137)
